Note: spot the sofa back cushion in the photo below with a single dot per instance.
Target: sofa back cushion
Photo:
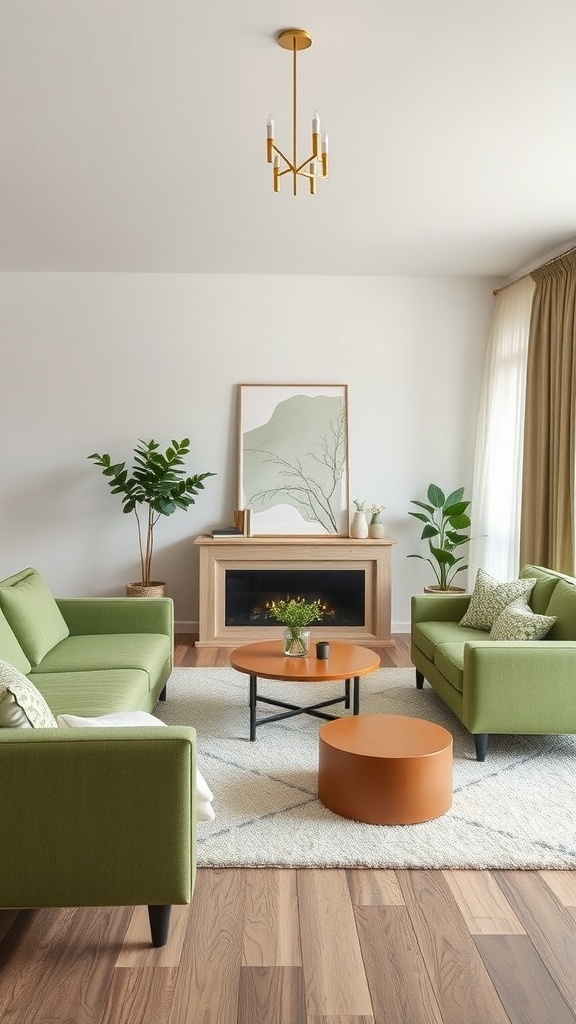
(563, 606)
(543, 588)
(32, 614)
(10, 649)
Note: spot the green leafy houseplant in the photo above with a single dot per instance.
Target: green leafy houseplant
(445, 528)
(156, 486)
(296, 614)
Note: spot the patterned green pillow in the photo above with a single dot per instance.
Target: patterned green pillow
(519, 622)
(490, 597)
(21, 705)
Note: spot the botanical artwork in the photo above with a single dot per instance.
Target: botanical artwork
(293, 458)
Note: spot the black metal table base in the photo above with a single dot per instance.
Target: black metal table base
(295, 709)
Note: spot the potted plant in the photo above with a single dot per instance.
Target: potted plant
(296, 614)
(156, 486)
(446, 526)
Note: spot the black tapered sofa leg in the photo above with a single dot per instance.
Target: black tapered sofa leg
(159, 915)
(481, 743)
(162, 695)
(419, 680)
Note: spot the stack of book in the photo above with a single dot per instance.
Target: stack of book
(242, 526)
(226, 532)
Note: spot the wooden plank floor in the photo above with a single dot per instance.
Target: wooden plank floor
(281, 946)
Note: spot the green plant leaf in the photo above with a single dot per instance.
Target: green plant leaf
(457, 538)
(456, 495)
(421, 504)
(420, 516)
(461, 522)
(443, 557)
(429, 531)
(455, 509)
(436, 496)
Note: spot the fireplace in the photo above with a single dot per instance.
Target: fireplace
(237, 577)
(251, 592)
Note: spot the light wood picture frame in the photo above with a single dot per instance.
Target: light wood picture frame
(293, 458)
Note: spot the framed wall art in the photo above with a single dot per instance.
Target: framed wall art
(293, 458)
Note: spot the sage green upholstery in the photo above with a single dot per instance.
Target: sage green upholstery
(94, 817)
(501, 686)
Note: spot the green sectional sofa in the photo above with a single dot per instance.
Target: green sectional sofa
(501, 686)
(94, 816)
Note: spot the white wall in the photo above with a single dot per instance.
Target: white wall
(92, 362)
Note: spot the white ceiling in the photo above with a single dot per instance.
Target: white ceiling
(132, 135)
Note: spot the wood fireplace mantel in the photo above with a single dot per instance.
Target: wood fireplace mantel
(371, 556)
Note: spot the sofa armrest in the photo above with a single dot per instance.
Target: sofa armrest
(524, 686)
(444, 608)
(97, 817)
(92, 615)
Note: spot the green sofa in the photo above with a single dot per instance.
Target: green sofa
(94, 816)
(501, 686)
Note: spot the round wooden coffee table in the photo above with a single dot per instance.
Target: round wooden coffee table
(268, 661)
(385, 769)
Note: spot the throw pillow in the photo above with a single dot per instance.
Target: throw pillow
(519, 622)
(204, 795)
(22, 706)
(490, 597)
(33, 615)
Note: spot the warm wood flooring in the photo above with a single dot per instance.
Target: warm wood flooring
(306, 947)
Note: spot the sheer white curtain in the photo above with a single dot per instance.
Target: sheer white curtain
(497, 482)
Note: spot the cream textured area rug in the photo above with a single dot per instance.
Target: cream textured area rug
(515, 810)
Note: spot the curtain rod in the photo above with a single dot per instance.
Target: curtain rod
(540, 267)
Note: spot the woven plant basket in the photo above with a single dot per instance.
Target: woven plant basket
(153, 589)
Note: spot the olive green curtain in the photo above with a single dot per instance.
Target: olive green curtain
(547, 518)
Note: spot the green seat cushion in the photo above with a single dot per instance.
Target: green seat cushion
(563, 606)
(32, 614)
(146, 651)
(10, 649)
(543, 588)
(427, 635)
(449, 660)
(94, 693)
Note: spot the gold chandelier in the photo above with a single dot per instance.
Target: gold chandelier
(313, 166)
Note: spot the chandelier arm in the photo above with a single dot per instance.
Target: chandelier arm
(284, 157)
(303, 164)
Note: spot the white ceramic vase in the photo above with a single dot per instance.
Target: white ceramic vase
(359, 526)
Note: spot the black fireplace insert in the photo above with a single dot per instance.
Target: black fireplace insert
(251, 593)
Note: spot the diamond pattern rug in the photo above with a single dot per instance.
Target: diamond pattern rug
(515, 810)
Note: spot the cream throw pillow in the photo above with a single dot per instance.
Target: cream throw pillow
(22, 706)
(519, 622)
(490, 597)
(204, 795)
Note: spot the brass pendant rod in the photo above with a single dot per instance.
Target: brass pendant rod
(294, 125)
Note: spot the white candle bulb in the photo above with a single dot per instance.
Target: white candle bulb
(270, 127)
(324, 143)
(316, 122)
(276, 161)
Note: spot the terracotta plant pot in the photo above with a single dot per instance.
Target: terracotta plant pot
(154, 589)
(435, 589)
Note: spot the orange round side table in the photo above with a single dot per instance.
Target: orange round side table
(385, 769)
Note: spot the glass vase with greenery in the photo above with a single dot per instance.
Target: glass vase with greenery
(446, 526)
(296, 614)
